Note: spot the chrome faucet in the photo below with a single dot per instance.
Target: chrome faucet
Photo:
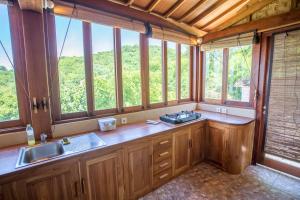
(43, 137)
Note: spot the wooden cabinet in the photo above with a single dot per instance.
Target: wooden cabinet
(181, 145)
(102, 177)
(215, 144)
(54, 182)
(138, 168)
(197, 141)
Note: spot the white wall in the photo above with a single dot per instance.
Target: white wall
(242, 112)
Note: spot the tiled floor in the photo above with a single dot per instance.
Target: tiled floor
(207, 182)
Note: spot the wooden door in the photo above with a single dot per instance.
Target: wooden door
(103, 177)
(197, 144)
(181, 155)
(54, 182)
(215, 144)
(139, 168)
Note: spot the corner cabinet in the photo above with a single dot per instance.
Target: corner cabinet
(102, 177)
(138, 168)
(229, 146)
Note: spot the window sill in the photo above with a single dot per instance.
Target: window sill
(127, 110)
(231, 104)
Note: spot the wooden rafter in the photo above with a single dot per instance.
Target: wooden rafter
(152, 5)
(250, 8)
(191, 10)
(187, 28)
(207, 11)
(261, 25)
(238, 4)
(129, 2)
(174, 8)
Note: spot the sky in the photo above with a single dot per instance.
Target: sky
(5, 37)
(102, 37)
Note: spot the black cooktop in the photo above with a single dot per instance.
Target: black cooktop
(180, 117)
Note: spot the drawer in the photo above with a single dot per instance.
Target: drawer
(162, 155)
(162, 143)
(163, 165)
(162, 177)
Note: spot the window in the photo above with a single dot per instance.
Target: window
(185, 71)
(239, 73)
(8, 96)
(131, 69)
(71, 66)
(103, 67)
(213, 74)
(228, 75)
(171, 71)
(155, 71)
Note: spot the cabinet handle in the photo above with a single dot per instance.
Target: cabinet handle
(163, 176)
(164, 142)
(163, 154)
(82, 185)
(76, 188)
(163, 165)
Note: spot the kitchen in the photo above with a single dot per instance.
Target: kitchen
(149, 99)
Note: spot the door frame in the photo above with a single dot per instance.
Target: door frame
(265, 73)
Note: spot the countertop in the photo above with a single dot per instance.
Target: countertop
(123, 134)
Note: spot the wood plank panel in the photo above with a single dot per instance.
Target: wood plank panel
(269, 23)
(177, 5)
(250, 8)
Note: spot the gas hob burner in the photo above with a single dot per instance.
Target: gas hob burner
(180, 117)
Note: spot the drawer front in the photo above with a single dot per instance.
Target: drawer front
(162, 143)
(162, 177)
(162, 155)
(163, 165)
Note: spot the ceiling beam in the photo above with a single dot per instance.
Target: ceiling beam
(191, 10)
(34, 5)
(238, 4)
(207, 12)
(250, 8)
(261, 25)
(152, 5)
(129, 2)
(174, 8)
(122, 10)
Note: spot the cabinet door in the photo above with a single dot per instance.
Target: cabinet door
(54, 182)
(215, 145)
(181, 155)
(197, 144)
(103, 177)
(139, 169)
(8, 191)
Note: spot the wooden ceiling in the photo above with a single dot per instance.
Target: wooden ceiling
(198, 17)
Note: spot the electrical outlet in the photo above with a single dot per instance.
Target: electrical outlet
(224, 110)
(218, 109)
(124, 120)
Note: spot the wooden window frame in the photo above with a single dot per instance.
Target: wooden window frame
(17, 42)
(225, 61)
(58, 117)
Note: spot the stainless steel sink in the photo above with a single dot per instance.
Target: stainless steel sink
(30, 155)
(40, 152)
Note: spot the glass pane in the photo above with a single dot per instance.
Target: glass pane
(155, 70)
(213, 74)
(131, 68)
(104, 67)
(8, 95)
(71, 66)
(239, 73)
(185, 71)
(171, 71)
